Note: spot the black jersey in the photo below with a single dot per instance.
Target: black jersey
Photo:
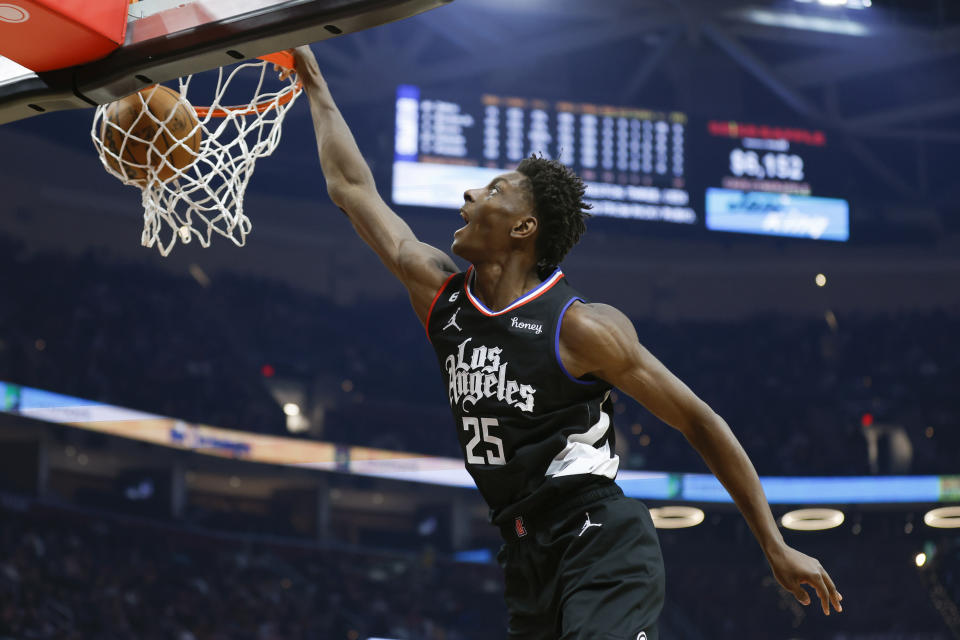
(530, 432)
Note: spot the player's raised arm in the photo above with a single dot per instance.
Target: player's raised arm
(599, 340)
(350, 184)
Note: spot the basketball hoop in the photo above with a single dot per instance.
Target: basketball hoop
(193, 192)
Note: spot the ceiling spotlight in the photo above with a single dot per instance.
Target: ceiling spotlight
(812, 519)
(943, 518)
(921, 559)
(793, 20)
(849, 4)
(676, 517)
(291, 409)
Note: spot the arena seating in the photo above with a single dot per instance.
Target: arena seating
(795, 390)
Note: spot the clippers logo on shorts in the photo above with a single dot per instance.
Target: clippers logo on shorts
(483, 376)
(522, 325)
(521, 531)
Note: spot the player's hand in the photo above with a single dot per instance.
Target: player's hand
(793, 569)
(283, 72)
(305, 65)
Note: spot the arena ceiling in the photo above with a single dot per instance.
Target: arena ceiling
(884, 77)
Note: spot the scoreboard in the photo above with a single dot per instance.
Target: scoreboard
(766, 182)
(639, 164)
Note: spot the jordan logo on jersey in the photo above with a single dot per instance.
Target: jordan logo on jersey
(482, 375)
(452, 322)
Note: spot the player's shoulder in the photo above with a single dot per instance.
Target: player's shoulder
(589, 321)
(590, 317)
(594, 336)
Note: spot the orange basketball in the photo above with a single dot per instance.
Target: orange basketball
(150, 129)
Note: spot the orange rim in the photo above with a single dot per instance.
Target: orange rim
(283, 59)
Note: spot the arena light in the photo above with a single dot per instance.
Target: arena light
(812, 519)
(676, 517)
(920, 559)
(291, 409)
(849, 4)
(789, 20)
(943, 518)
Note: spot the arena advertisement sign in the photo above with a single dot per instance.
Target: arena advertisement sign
(397, 465)
(778, 214)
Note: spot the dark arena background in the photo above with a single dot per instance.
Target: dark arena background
(254, 442)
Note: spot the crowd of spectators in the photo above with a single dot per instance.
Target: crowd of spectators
(71, 575)
(801, 393)
(943, 580)
(872, 562)
(74, 574)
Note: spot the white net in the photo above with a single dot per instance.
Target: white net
(193, 164)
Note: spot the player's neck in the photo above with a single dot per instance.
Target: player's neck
(497, 284)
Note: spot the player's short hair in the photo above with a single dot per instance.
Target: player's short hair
(559, 207)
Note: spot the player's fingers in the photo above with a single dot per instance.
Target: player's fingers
(820, 587)
(835, 596)
(801, 595)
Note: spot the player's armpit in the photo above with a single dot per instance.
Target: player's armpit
(600, 340)
(423, 269)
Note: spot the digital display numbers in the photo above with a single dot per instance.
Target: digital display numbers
(767, 187)
(636, 163)
(632, 160)
(784, 166)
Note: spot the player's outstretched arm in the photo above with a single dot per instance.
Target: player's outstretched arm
(350, 184)
(599, 340)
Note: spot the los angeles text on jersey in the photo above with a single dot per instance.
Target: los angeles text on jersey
(484, 376)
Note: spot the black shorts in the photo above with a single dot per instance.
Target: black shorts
(590, 569)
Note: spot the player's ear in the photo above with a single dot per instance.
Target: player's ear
(524, 228)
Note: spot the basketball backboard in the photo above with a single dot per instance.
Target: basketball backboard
(167, 39)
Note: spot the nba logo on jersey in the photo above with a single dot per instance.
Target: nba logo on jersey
(518, 526)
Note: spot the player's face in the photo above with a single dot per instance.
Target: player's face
(491, 214)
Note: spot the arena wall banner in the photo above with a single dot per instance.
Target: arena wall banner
(326, 456)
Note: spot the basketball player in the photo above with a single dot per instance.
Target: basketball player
(529, 365)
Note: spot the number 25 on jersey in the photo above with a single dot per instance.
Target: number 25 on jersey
(481, 431)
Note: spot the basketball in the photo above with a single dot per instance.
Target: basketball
(150, 129)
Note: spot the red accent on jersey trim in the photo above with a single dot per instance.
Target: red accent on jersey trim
(518, 525)
(540, 289)
(426, 324)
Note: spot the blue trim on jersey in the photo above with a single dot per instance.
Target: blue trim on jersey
(527, 297)
(556, 343)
